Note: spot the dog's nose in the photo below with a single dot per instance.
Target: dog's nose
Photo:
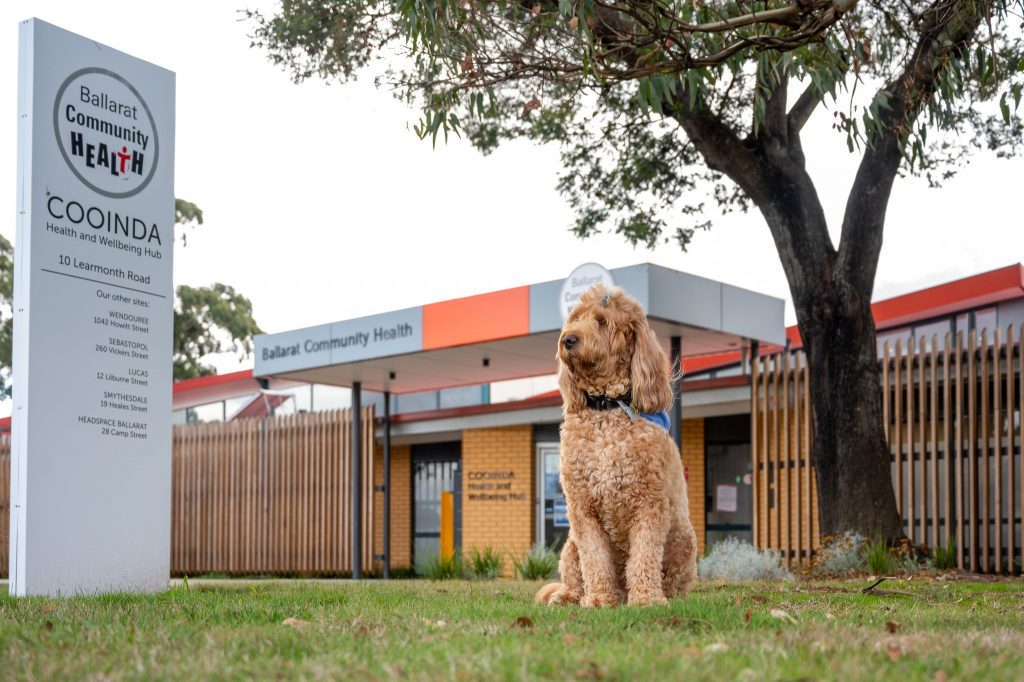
(570, 340)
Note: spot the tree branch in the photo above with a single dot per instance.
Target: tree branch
(763, 166)
(793, 14)
(803, 108)
(775, 112)
(947, 27)
(781, 189)
(805, 105)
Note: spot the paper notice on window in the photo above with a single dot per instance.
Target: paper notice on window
(725, 498)
(561, 515)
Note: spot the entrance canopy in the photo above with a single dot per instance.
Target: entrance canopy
(509, 334)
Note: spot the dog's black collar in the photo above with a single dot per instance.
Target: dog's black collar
(603, 402)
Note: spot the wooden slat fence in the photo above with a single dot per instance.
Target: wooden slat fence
(952, 411)
(785, 490)
(5, 504)
(269, 495)
(258, 496)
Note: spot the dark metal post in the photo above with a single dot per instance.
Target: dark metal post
(755, 353)
(357, 481)
(677, 391)
(457, 491)
(387, 484)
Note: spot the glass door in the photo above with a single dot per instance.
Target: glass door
(730, 493)
(729, 477)
(552, 520)
(435, 469)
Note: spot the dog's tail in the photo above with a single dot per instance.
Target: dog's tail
(545, 593)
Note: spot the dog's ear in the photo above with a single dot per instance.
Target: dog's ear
(649, 372)
(573, 397)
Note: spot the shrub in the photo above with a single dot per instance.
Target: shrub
(905, 557)
(485, 563)
(539, 563)
(884, 559)
(850, 553)
(841, 555)
(436, 567)
(945, 557)
(881, 560)
(736, 560)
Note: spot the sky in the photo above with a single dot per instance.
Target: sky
(321, 204)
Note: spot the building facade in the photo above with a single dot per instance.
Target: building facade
(500, 459)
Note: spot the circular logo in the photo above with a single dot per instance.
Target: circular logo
(578, 281)
(105, 132)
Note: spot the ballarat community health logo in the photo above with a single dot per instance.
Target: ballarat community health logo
(106, 132)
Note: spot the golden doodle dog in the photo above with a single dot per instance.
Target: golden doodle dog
(630, 537)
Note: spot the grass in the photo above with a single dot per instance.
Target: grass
(485, 563)
(540, 563)
(423, 630)
(437, 567)
(880, 559)
(945, 556)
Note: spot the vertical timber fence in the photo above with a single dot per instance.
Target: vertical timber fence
(259, 496)
(785, 491)
(5, 504)
(269, 495)
(952, 412)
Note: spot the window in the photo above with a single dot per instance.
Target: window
(938, 329)
(892, 336)
(983, 318)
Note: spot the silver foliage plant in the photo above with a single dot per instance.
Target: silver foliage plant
(842, 555)
(735, 561)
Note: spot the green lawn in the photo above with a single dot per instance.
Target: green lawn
(459, 630)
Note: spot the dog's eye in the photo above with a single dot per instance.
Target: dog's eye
(600, 321)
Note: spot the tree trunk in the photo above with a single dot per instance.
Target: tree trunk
(831, 287)
(832, 296)
(849, 450)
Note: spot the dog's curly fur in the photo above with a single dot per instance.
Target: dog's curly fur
(630, 536)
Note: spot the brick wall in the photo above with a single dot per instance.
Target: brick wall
(401, 505)
(693, 460)
(497, 490)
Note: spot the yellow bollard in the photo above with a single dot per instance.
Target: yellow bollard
(447, 525)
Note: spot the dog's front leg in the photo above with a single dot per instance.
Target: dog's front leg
(596, 565)
(647, 537)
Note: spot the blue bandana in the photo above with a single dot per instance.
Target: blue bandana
(659, 418)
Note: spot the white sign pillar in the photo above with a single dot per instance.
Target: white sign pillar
(93, 297)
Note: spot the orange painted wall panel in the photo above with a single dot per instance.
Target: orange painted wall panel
(487, 317)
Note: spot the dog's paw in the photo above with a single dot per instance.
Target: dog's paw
(563, 596)
(678, 590)
(598, 600)
(646, 599)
